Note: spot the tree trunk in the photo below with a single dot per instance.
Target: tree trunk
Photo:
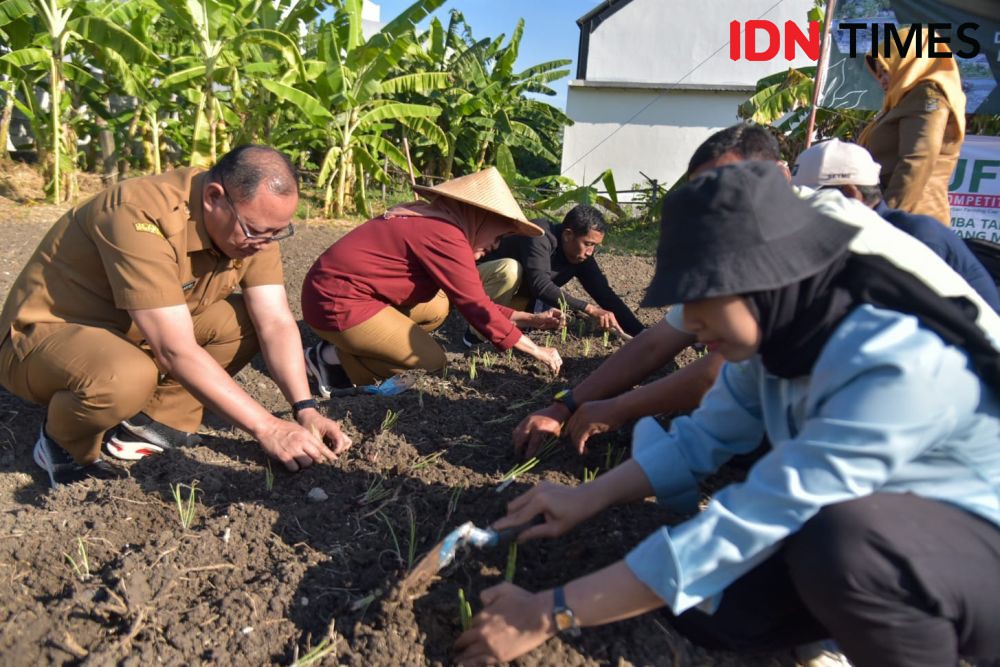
(109, 156)
(154, 128)
(55, 102)
(5, 118)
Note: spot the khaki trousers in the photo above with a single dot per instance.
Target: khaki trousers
(502, 280)
(92, 378)
(391, 341)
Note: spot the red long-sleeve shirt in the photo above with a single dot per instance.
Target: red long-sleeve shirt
(401, 261)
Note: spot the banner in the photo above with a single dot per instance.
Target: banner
(974, 191)
(850, 86)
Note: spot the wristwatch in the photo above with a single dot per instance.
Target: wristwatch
(562, 615)
(298, 406)
(565, 397)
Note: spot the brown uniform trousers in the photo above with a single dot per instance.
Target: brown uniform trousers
(66, 337)
(92, 378)
(391, 341)
(398, 339)
(917, 143)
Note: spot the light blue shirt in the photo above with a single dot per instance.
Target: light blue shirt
(889, 407)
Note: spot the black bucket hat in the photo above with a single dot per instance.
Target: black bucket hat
(738, 229)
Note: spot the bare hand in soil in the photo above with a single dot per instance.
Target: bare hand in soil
(562, 506)
(605, 320)
(537, 428)
(293, 445)
(553, 318)
(550, 357)
(326, 430)
(590, 419)
(512, 622)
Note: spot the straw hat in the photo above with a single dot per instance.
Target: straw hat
(486, 190)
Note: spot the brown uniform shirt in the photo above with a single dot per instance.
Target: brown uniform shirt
(917, 143)
(138, 245)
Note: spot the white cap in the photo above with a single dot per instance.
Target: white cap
(835, 162)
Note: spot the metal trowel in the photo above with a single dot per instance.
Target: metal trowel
(459, 541)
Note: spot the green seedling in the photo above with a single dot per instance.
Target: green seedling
(510, 354)
(444, 372)
(590, 475)
(547, 341)
(456, 494)
(547, 448)
(390, 419)
(320, 651)
(488, 360)
(604, 339)
(376, 492)
(268, 476)
(464, 610)
(563, 333)
(472, 368)
(186, 507)
(425, 461)
(411, 547)
(508, 573)
(586, 347)
(564, 307)
(420, 398)
(392, 534)
(81, 567)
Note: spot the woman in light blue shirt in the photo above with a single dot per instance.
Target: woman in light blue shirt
(874, 519)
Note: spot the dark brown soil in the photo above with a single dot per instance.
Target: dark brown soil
(263, 574)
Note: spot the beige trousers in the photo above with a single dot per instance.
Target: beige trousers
(92, 378)
(391, 341)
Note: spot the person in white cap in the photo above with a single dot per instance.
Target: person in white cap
(374, 295)
(851, 169)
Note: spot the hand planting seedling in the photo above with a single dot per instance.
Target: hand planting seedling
(186, 507)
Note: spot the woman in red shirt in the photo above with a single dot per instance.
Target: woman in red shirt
(375, 294)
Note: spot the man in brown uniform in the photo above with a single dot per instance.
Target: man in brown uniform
(126, 313)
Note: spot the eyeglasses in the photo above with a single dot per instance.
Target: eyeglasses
(279, 235)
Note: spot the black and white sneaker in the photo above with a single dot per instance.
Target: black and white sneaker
(141, 436)
(470, 339)
(61, 467)
(326, 376)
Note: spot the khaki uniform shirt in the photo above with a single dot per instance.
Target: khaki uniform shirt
(917, 143)
(138, 245)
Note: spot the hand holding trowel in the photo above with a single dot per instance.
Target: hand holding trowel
(459, 542)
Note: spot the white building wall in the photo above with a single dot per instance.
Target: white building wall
(635, 57)
(661, 41)
(658, 142)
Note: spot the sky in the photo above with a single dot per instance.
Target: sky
(550, 30)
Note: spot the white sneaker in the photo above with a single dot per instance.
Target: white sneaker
(824, 653)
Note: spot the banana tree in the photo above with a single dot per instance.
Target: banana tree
(231, 39)
(65, 35)
(487, 111)
(349, 96)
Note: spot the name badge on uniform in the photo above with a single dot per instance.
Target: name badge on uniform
(188, 285)
(932, 104)
(149, 228)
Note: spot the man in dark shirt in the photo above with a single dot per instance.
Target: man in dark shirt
(543, 264)
(851, 169)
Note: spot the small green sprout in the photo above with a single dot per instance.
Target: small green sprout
(590, 475)
(604, 338)
(81, 567)
(320, 651)
(472, 368)
(186, 507)
(268, 476)
(464, 610)
(586, 347)
(508, 574)
(390, 419)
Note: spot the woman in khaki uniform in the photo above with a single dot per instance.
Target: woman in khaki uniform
(918, 134)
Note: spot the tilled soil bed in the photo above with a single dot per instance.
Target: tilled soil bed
(271, 568)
